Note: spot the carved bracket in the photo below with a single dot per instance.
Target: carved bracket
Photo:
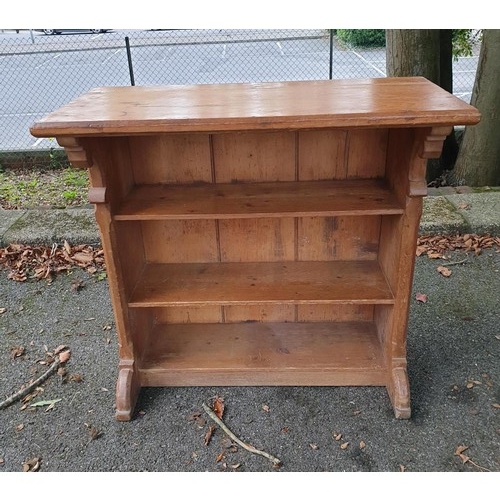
(77, 156)
(433, 142)
(431, 145)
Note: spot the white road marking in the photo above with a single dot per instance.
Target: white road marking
(48, 61)
(369, 63)
(112, 55)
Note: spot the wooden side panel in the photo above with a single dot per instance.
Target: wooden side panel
(175, 158)
(254, 156)
(322, 155)
(366, 153)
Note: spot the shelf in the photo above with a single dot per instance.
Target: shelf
(248, 353)
(264, 199)
(246, 283)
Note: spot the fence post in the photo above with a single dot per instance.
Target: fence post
(129, 58)
(330, 74)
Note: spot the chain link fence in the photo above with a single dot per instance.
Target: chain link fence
(40, 72)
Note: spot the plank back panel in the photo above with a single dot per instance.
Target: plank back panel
(257, 240)
(175, 158)
(254, 156)
(322, 155)
(337, 238)
(174, 241)
(367, 150)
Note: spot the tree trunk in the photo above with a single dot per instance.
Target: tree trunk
(478, 162)
(413, 53)
(450, 146)
(425, 53)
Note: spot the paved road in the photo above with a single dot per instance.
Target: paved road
(454, 370)
(39, 73)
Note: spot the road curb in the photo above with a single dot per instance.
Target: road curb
(452, 213)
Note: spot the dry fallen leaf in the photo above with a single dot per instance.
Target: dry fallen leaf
(2, 461)
(314, 446)
(435, 255)
(218, 406)
(421, 297)
(344, 446)
(444, 271)
(64, 356)
(337, 436)
(2, 310)
(266, 407)
(463, 206)
(209, 434)
(459, 452)
(198, 419)
(19, 427)
(362, 445)
(17, 351)
(75, 377)
(32, 465)
(402, 468)
(94, 433)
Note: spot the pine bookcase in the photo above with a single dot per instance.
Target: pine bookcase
(259, 234)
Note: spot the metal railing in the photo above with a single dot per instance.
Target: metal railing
(42, 72)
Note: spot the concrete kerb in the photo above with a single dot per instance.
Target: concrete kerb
(447, 214)
(45, 226)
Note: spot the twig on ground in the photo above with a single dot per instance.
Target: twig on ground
(458, 262)
(276, 461)
(29, 388)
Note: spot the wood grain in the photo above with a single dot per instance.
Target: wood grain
(240, 283)
(343, 353)
(378, 102)
(261, 199)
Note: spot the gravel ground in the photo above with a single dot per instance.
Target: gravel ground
(454, 370)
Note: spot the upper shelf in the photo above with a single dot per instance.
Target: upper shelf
(265, 199)
(388, 102)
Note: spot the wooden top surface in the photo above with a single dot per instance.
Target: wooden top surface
(394, 102)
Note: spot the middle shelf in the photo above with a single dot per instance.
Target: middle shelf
(260, 199)
(246, 283)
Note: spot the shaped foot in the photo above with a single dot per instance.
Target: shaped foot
(399, 392)
(127, 390)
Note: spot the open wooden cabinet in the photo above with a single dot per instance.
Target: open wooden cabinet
(259, 234)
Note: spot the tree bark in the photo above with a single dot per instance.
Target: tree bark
(418, 53)
(413, 53)
(478, 162)
(450, 146)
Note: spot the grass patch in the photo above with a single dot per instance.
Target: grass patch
(46, 187)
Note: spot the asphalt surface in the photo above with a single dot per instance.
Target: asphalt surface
(454, 371)
(453, 365)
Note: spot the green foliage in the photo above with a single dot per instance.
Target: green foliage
(362, 38)
(463, 42)
(36, 187)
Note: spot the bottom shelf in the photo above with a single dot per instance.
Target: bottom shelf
(333, 353)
